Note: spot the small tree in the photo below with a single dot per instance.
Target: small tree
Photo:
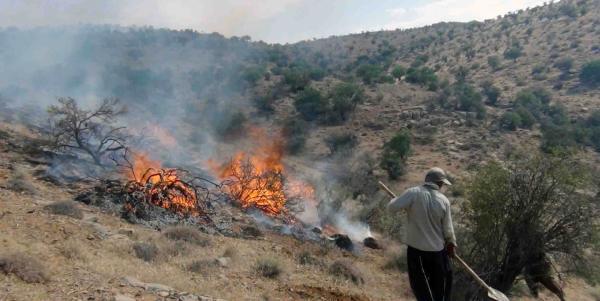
(398, 71)
(529, 207)
(590, 74)
(369, 73)
(491, 92)
(395, 153)
(494, 62)
(513, 53)
(511, 121)
(310, 104)
(343, 98)
(90, 132)
(341, 143)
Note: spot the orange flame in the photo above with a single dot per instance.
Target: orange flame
(161, 187)
(257, 178)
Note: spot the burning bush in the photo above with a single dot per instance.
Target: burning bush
(257, 179)
(150, 184)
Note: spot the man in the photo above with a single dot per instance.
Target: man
(430, 237)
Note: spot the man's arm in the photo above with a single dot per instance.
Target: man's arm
(403, 201)
(447, 226)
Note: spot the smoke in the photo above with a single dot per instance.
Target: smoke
(180, 88)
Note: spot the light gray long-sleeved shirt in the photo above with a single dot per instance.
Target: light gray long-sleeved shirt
(429, 217)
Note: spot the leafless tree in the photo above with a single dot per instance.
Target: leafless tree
(91, 132)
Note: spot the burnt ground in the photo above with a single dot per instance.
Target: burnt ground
(94, 258)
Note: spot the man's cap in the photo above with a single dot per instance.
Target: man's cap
(436, 175)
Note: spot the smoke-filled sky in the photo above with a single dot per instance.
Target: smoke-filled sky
(279, 21)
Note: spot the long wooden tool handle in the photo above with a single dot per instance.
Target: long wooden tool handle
(462, 262)
(391, 193)
(479, 280)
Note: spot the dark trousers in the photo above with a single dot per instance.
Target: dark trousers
(429, 274)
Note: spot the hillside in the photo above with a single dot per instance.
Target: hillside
(315, 124)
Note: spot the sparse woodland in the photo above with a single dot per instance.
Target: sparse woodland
(509, 106)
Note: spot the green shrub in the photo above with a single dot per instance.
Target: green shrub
(298, 77)
(590, 74)
(469, 99)
(252, 74)
(343, 142)
(494, 62)
(343, 99)
(264, 104)
(511, 121)
(491, 92)
(564, 64)
(295, 131)
(398, 71)
(310, 104)
(527, 119)
(395, 153)
(512, 212)
(513, 53)
(369, 73)
(422, 76)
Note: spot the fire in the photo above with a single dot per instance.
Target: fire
(161, 187)
(257, 178)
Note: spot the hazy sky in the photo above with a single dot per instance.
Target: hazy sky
(269, 20)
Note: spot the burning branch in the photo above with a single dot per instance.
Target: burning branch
(254, 188)
(170, 188)
(164, 188)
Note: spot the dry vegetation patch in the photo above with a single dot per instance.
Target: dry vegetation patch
(346, 270)
(187, 234)
(202, 266)
(68, 208)
(268, 267)
(20, 181)
(146, 251)
(28, 268)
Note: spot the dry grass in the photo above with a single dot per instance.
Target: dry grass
(187, 234)
(397, 262)
(20, 181)
(306, 258)
(346, 270)
(174, 249)
(68, 208)
(202, 266)
(146, 251)
(230, 252)
(268, 267)
(28, 268)
(595, 292)
(71, 250)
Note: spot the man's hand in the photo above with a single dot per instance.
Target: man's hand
(451, 249)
